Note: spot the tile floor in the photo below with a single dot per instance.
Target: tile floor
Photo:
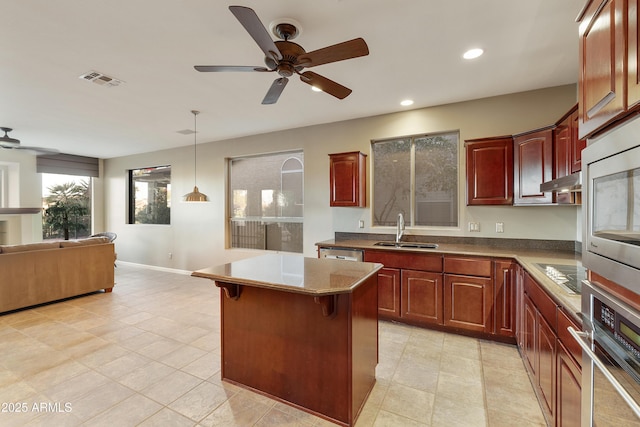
(148, 354)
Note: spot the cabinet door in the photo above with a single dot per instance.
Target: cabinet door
(421, 300)
(533, 165)
(389, 293)
(529, 336)
(562, 148)
(577, 145)
(347, 179)
(546, 372)
(467, 302)
(520, 307)
(505, 297)
(569, 389)
(490, 171)
(633, 48)
(602, 60)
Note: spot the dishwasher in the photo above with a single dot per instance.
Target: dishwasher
(342, 253)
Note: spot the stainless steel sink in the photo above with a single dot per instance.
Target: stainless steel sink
(414, 245)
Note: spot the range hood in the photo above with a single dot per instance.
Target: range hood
(569, 183)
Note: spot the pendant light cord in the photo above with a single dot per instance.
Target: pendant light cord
(195, 146)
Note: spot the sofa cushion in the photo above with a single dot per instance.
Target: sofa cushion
(8, 249)
(84, 242)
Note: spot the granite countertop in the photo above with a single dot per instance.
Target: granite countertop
(293, 273)
(526, 257)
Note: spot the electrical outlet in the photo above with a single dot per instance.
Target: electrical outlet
(170, 255)
(474, 226)
(499, 227)
(361, 223)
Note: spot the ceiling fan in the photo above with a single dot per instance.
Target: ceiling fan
(11, 143)
(288, 58)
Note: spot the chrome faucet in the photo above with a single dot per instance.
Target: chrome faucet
(399, 227)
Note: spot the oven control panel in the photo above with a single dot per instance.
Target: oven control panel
(626, 333)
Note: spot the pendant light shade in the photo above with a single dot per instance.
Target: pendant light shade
(195, 195)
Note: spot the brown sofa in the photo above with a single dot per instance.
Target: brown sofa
(37, 273)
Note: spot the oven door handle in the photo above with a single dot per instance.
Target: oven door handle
(580, 338)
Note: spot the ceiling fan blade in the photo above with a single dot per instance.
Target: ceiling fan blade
(257, 30)
(219, 68)
(325, 84)
(337, 52)
(275, 90)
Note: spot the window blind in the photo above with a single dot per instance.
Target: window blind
(67, 164)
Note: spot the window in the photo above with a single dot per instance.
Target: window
(418, 176)
(67, 206)
(266, 201)
(150, 195)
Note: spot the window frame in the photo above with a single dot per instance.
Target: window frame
(411, 218)
(286, 155)
(131, 190)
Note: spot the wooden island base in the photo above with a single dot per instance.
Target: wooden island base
(316, 353)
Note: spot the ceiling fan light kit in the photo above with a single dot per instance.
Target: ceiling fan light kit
(195, 195)
(288, 58)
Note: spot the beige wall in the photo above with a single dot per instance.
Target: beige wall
(25, 191)
(196, 236)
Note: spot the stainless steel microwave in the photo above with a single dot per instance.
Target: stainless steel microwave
(611, 187)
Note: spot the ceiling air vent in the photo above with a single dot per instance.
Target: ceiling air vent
(100, 79)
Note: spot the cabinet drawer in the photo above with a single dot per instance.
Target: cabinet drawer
(406, 260)
(468, 266)
(546, 306)
(573, 348)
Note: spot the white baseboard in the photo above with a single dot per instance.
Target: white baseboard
(155, 267)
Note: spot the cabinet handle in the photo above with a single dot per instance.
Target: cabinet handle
(580, 338)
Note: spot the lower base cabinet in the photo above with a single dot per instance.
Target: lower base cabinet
(546, 351)
(468, 302)
(569, 390)
(389, 293)
(421, 299)
(550, 354)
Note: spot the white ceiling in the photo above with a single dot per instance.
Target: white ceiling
(152, 45)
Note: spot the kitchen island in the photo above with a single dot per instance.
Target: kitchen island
(301, 330)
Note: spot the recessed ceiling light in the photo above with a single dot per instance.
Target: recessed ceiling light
(316, 89)
(406, 102)
(472, 53)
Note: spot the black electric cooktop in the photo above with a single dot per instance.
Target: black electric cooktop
(569, 277)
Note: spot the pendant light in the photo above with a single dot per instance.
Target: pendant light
(195, 195)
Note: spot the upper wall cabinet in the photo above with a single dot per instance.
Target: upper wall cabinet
(607, 88)
(533, 165)
(347, 179)
(567, 147)
(490, 171)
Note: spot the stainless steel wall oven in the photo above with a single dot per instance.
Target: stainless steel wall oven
(611, 188)
(610, 360)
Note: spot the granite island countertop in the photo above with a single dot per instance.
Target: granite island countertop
(527, 258)
(293, 273)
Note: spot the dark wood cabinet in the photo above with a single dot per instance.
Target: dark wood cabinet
(603, 60)
(546, 372)
(569, 390)
(347, 179)
(489, 171)
(409, 286)
(467, 302)
(633, 54)
(421, 298)
(529, 335)
(567, 146)
(567, 152)
(504, 305)
(389, 293)
(468, 293)
(533, 165)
